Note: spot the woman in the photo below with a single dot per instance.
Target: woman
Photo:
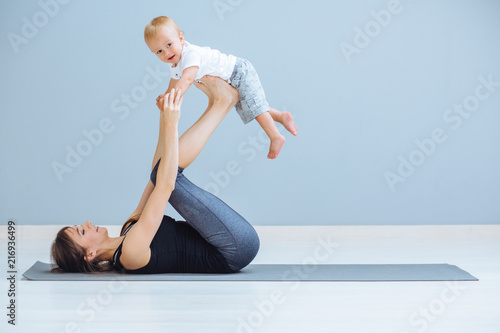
(213, 239)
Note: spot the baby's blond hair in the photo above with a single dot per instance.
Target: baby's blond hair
(157, 23)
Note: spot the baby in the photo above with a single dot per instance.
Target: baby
(189, 63)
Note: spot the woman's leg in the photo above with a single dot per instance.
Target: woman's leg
(213, 219)
(222, 97)
(216, 222)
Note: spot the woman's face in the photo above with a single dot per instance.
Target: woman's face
(88, 236)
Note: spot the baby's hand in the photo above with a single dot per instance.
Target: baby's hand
(160, 96)
(159, 103)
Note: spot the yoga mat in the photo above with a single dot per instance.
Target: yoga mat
(41, 271)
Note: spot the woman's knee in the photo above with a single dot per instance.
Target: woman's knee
(254, 245)
(247, 249)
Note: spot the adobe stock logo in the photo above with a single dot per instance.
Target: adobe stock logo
(223, 6)
(120, 107)
(454, 116)
(421, 319)
(292, 280)
(31, 28)
(365, 35)
(248, 151)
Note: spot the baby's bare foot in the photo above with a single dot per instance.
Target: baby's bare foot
(275, 147)
(288, 123)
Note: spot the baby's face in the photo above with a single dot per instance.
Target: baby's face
(167, 44)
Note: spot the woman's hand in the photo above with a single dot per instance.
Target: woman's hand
(170, 106)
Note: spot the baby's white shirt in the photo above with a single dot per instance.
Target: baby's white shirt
(209, 62)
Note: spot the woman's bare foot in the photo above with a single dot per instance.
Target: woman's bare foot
(275, 148)
(200, 85)
(219, 89)
(284, 118)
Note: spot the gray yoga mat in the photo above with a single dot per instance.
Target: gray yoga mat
(41, 271)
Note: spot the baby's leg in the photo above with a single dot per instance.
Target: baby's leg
(266, 121)
(253, 104)
(284, 118)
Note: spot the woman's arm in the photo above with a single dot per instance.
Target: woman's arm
(193, 140)
(135, 251)
(149, 186)
(160, 145)
(140, 207)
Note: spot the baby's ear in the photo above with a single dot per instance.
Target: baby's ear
(181, 37)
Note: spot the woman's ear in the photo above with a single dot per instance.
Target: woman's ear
(90, 255)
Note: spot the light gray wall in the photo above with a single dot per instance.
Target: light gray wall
(382, 138)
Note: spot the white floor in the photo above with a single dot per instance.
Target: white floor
(396, 307)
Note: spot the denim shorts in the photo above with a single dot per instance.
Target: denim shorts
(252, 97)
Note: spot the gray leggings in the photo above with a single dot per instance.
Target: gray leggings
(214, 220)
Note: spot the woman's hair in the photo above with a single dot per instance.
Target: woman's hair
(70, 257)
(157, 23)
